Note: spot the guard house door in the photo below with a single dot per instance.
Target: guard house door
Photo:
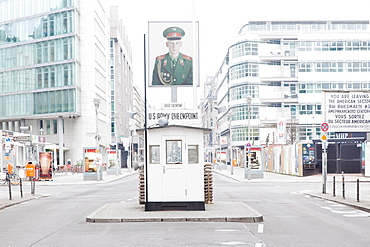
(174, 178)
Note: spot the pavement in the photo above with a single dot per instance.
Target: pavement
(218, 211)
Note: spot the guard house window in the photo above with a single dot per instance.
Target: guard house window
(154, 154)
(193, 157)
(174, 151)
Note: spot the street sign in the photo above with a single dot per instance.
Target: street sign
(324, 137)
(21, 138)
(324, 127)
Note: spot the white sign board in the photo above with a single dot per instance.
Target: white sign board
(281, 129)
(187, 117)
(347, 111)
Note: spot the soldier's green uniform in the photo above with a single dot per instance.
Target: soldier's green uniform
(178, 71)
(168, 72)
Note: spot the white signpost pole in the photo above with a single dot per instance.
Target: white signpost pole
(324, 145)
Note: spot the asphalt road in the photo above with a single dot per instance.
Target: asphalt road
(290, 219)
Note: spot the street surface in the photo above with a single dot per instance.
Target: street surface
(291, 218)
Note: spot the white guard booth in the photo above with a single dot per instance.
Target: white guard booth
(174, 171)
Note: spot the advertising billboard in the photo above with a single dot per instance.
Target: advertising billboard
(172, 53)
(46, 168)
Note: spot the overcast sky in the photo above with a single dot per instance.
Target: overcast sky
(220, 21)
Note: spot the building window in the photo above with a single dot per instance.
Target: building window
(244, 70)
(240, 92)
(193, 154)
(242, 134)
(154, 154)
(244, 49)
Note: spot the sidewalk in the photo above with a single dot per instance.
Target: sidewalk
(350, 185)
(58, 179)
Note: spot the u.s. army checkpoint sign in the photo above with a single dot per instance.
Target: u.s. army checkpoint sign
(347, 110)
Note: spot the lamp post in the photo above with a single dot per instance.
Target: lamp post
(249, 100)
(29, 148)
(97, 137)
(131, 115)
(231, 146)
(220, 109)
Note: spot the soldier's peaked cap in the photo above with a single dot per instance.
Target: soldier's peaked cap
(173, 33)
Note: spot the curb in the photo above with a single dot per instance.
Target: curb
(356, 205)
(133, 212)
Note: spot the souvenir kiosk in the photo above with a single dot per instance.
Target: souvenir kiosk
(174, 171)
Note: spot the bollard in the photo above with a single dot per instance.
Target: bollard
(358, 189)
(10, 189)
(334, 186)
(33, 184)
(20, 186)
(343, 189)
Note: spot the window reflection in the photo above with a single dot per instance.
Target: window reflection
(174, 152)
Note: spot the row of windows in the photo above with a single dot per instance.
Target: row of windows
(244, 49)
(244, 70)
(309, 109)
(43, 124)
(12, 9)
(243, 134)
(334, 45)
(241, 113)
(37, 78)
(306, 26)
(38, 103)
(334, 67)
(239, 92)
(307, 87)
(36, 28)
(36, 53)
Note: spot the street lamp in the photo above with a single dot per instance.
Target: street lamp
(249, 100)
(97, 137)
(29, 148)
(131, 115)
(220, 109)
(230, 140)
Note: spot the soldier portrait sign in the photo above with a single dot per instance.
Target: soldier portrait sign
(171, 53)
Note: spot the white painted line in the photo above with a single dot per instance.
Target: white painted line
(260, 228)
(227, 230)
(258, 245)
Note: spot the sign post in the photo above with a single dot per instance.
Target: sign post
(247, 152)
(324, 145)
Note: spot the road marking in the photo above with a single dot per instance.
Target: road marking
(260, 228)
(233, 243)
(344, 210)
(258, 245)
(227, 230)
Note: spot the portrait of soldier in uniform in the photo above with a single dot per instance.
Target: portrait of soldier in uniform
(173, 68)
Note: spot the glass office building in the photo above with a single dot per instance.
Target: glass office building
(54, 61)
(37, 58)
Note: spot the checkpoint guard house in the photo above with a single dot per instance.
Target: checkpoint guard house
(174, 167)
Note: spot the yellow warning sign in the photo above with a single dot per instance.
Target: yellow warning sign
(324, 137)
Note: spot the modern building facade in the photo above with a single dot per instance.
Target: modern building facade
(283, 66)
(57, 58)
